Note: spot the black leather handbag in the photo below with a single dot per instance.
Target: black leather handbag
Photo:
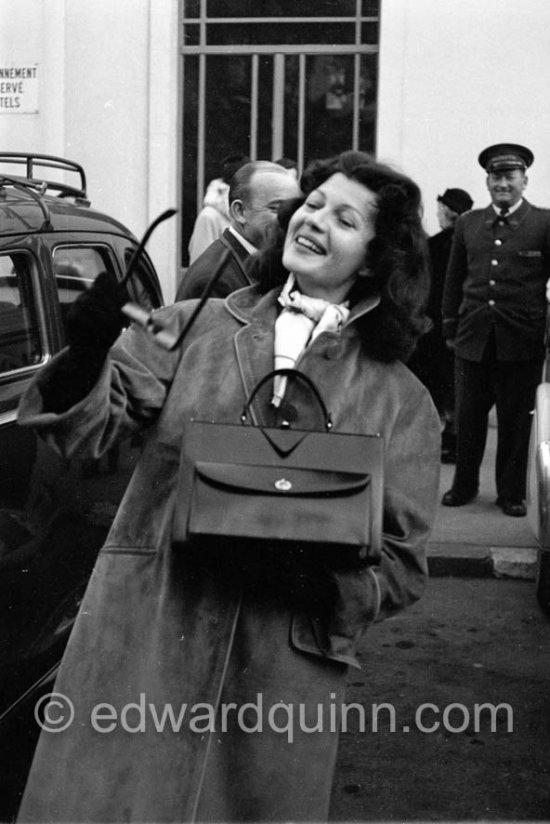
(241, 483)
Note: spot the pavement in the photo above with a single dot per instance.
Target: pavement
(478, 540)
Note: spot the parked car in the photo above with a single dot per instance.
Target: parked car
(538, 480)
(54, 513)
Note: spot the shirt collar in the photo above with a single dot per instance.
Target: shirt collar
(243, 241)
(511, 210)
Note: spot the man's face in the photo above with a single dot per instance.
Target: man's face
(267, 191)
(506, 186)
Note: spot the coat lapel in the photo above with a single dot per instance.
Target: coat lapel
(240, 254)
(254, 342)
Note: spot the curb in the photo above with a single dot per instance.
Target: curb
(475, 561)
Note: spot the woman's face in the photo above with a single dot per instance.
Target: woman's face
(327, 237)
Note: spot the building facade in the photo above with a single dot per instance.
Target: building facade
(149, 95)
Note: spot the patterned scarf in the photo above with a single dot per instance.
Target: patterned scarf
(301, 321)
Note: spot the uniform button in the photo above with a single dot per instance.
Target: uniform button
(492, 282)
(491, 303)
(498, 242)
(494, 262)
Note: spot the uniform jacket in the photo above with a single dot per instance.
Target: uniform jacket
(234, 274)
(496, 280)
(159, 623)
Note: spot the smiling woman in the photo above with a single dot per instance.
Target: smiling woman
(357, 234)
(268, 624)
(327, 237)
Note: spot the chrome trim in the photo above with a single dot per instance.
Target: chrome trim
(8, 417)
(10, 374)
(543, 491)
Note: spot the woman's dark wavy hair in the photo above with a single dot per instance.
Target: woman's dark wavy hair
(397, 256)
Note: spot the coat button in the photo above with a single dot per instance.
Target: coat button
(491, 303)
(494, 262)
(492, 282)
(498, 242)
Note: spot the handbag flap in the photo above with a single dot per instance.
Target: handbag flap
(287, 481)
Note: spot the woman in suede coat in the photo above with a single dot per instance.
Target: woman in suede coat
(198, 678)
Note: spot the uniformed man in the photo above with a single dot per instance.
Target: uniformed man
(494, 312)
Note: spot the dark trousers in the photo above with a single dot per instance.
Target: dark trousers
(511, 385)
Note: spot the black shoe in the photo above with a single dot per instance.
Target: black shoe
(454, 498)
(516, 509)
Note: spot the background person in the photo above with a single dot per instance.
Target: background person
(256, 191)
(494, 313)
(433, 361)
(178, 626)
(214, 216)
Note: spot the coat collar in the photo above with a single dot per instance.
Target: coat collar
(254, 341)
(240, 254)
(249, 306)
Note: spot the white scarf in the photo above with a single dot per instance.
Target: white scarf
(303, 318)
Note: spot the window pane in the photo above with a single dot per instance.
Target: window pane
(282, 8)
(192, 8)
(227, 124)
(191, 35)
(369, 33)
(274, 33)
(19, 336)
(367, 102)
(371, 8)
(329, 105)
(75, 269)
(190, 149)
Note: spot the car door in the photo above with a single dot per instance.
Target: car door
(54, 513)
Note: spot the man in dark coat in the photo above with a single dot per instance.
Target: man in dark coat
(433, 361)
(494, 312)
(256, 191)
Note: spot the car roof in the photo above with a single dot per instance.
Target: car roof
(28, 204)
(21, 213)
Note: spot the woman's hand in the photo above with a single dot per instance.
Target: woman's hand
(95, 320)
(93, 323)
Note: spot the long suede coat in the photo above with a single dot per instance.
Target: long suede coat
(203, 688)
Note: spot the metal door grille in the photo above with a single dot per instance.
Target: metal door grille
(299, 80)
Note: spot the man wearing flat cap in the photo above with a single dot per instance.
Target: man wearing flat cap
(494, 312)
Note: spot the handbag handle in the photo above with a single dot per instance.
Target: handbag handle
(294, 373)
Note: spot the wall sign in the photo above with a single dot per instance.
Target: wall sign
(18, 88)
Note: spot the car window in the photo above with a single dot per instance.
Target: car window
(141, 285)
(75, 268)
(20, 344)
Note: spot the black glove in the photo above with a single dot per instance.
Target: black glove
(93, 323)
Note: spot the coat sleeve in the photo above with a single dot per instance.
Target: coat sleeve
(128, 395)
(457, 270)
(372, 593)
(411, 490)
